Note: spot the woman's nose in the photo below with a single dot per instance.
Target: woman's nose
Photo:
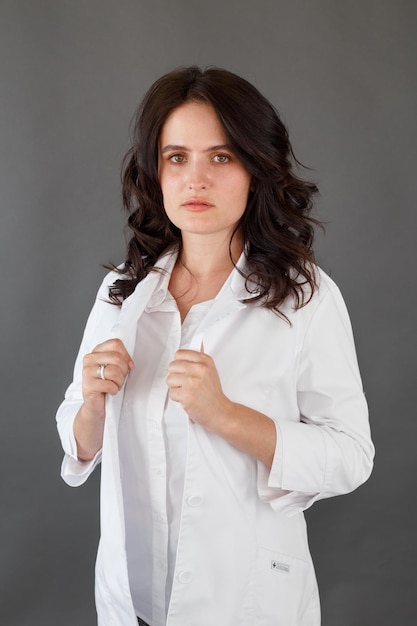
(197, 176)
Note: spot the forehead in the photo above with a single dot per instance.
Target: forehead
(192, 121)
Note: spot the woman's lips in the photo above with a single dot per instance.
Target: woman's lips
(197, 204)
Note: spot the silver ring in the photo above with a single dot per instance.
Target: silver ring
(100, 371)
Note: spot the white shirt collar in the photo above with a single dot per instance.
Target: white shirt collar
(235, 281)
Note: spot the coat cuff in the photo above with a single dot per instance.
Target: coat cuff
(73, 471)
(290, 486)
(76, 472)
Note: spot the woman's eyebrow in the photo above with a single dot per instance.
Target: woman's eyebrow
(170, 147)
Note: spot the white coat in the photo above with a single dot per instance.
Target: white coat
(243, 557)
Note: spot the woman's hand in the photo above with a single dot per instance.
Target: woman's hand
(116, 362)
(193, 381)
(104, 371)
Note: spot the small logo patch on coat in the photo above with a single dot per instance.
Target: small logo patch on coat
(280, 567)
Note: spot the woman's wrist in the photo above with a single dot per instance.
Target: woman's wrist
(88, 433)
(247, 429)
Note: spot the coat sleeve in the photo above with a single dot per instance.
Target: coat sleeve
(329, 451)
(74, 471)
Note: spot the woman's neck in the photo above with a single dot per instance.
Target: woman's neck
(200, 272)
(204, 257)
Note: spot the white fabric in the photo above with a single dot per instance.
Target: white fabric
(242, 553)
(151, 427)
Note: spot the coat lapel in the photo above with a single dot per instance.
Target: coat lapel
(125, 330)
(133, 307)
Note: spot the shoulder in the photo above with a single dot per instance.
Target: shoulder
(325, 284)
(103, 313)
(328, 290)
(326, 294)
(103, 308)
(109, 279)
(326, 310)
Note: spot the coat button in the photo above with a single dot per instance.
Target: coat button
(185, 577)
(194, 501)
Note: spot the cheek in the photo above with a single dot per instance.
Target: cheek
(169, 195)
(240, 188)
(166, 184)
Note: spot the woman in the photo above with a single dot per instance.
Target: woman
(217, 380)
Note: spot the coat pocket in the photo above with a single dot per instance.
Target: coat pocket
(286, 591)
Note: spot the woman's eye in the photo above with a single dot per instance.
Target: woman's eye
(177, 158)
(222, 158)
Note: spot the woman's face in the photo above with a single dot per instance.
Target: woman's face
(205, 187)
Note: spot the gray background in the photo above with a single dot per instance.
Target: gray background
(343, 76)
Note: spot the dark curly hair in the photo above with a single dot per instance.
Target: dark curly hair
(276, 227)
